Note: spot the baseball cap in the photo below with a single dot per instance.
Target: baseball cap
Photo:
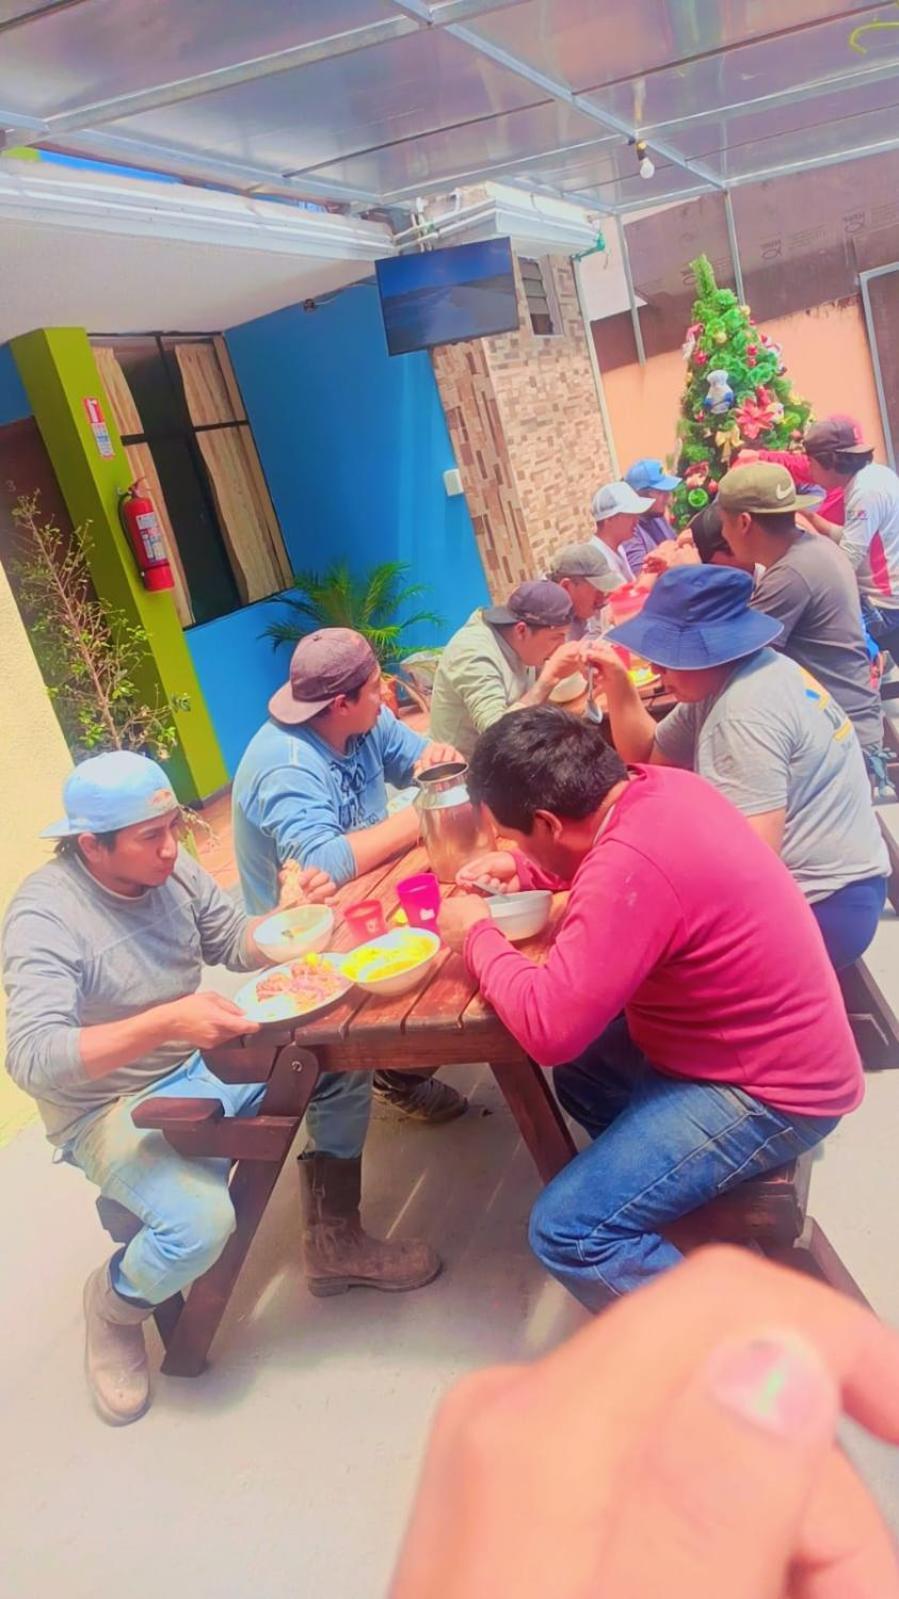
(764, 489)
(614, 498)
(836, 435)
(111, 791)
(331, 661)
(584, 560)
(540, 604)
(650, 474)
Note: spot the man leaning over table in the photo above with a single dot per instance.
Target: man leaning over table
(505, 657)
(103, 951)
(764, 731)
(580, 570)
(687, 1004)
(311, 787)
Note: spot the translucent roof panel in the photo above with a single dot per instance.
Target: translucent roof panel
(378, 101)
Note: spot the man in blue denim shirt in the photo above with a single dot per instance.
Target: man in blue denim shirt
(312, 787)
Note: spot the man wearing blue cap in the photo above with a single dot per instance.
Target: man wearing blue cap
(103, 951)
(763, 731)
(649, 478)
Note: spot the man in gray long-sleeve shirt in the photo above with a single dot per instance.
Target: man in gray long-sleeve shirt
(103, 950)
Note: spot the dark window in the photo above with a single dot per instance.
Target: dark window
(538, 292)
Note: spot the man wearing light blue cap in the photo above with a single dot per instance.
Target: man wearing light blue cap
(103, 951)
(649, 478)
(763, 731)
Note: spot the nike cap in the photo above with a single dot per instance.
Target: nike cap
(764, 489)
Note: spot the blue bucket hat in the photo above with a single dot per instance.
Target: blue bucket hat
(111, 791)
(697, 616)
(650, 474)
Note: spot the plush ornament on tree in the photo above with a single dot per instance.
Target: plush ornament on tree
(720, 397)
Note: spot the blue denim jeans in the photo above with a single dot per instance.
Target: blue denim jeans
(184, 1202)
(848, 919)
(662, 1146)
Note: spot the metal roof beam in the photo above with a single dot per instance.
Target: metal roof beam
(197, 168)
(497, 170)
(192, 87)
(554, 89)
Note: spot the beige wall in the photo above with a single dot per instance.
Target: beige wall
(827, 357)
(524, 419)
(35, 761)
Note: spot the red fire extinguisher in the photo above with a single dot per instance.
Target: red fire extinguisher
(141, 524)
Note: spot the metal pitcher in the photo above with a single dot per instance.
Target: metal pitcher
(453, 830)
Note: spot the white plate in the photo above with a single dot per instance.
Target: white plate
(281, 1008)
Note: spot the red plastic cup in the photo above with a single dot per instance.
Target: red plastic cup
(365, 920)
(420, 899)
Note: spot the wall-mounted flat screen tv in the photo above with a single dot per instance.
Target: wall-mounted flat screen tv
(442, 296)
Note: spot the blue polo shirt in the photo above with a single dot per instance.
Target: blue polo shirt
(296, 798)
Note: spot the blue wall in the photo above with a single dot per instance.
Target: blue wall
(354, 445)
(14, 402)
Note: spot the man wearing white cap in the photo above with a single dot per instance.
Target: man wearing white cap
(617, 509)
(103, 951)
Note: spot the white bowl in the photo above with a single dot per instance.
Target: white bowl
(403, 981)
(300, 931)
(521, 916)
(569, 688)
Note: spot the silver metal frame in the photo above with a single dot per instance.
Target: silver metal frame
(864, 279)
(631, 295)
(401, 18)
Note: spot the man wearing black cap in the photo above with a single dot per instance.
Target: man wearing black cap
(311, 787)
(505, 657)
(839, 458)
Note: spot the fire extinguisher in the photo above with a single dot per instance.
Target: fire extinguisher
(141, 524)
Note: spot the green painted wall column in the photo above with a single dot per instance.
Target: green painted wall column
(58, 370)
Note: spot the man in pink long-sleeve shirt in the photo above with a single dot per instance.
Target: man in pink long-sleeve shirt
(687, 1002)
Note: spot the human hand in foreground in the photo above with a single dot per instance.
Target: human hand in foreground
(497, 872)
(659, 559)
(204, 1020)
(457, 916)
(437, 755)
(680, 1447)
(303, 885)
(563, 661)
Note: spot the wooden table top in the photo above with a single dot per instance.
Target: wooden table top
(448, 1001)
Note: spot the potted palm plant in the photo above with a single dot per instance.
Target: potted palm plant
(370, 604)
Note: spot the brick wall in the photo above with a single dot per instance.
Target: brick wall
(528, 436)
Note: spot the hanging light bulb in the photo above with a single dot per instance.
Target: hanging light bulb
(647, 165)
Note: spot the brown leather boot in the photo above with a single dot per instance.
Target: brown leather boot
(339, 1254)
(115, 1359)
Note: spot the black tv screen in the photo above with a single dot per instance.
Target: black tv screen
(442, 296)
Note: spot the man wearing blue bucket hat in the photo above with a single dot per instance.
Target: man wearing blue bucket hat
(649, 478)
(764, 732)
(103, 951)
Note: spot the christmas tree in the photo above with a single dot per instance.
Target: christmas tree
(737, 394)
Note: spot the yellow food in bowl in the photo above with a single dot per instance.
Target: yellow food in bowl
(373, 964)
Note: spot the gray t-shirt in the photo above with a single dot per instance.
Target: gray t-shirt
(812, 590)
(774, 738)
(75, 954)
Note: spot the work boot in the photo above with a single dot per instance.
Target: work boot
(339, 1254)
(115, 1359)
(419, 1095)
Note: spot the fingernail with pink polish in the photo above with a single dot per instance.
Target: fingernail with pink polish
(777, 1382)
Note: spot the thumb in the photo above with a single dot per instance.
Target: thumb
(227, 1006)
(722, 1483)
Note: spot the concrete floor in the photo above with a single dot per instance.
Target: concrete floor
(287, 1469)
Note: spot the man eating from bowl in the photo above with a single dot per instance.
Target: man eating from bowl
(103, 952)
(687, 1003)
(311, 788)
(580, 570)
(505, 657)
